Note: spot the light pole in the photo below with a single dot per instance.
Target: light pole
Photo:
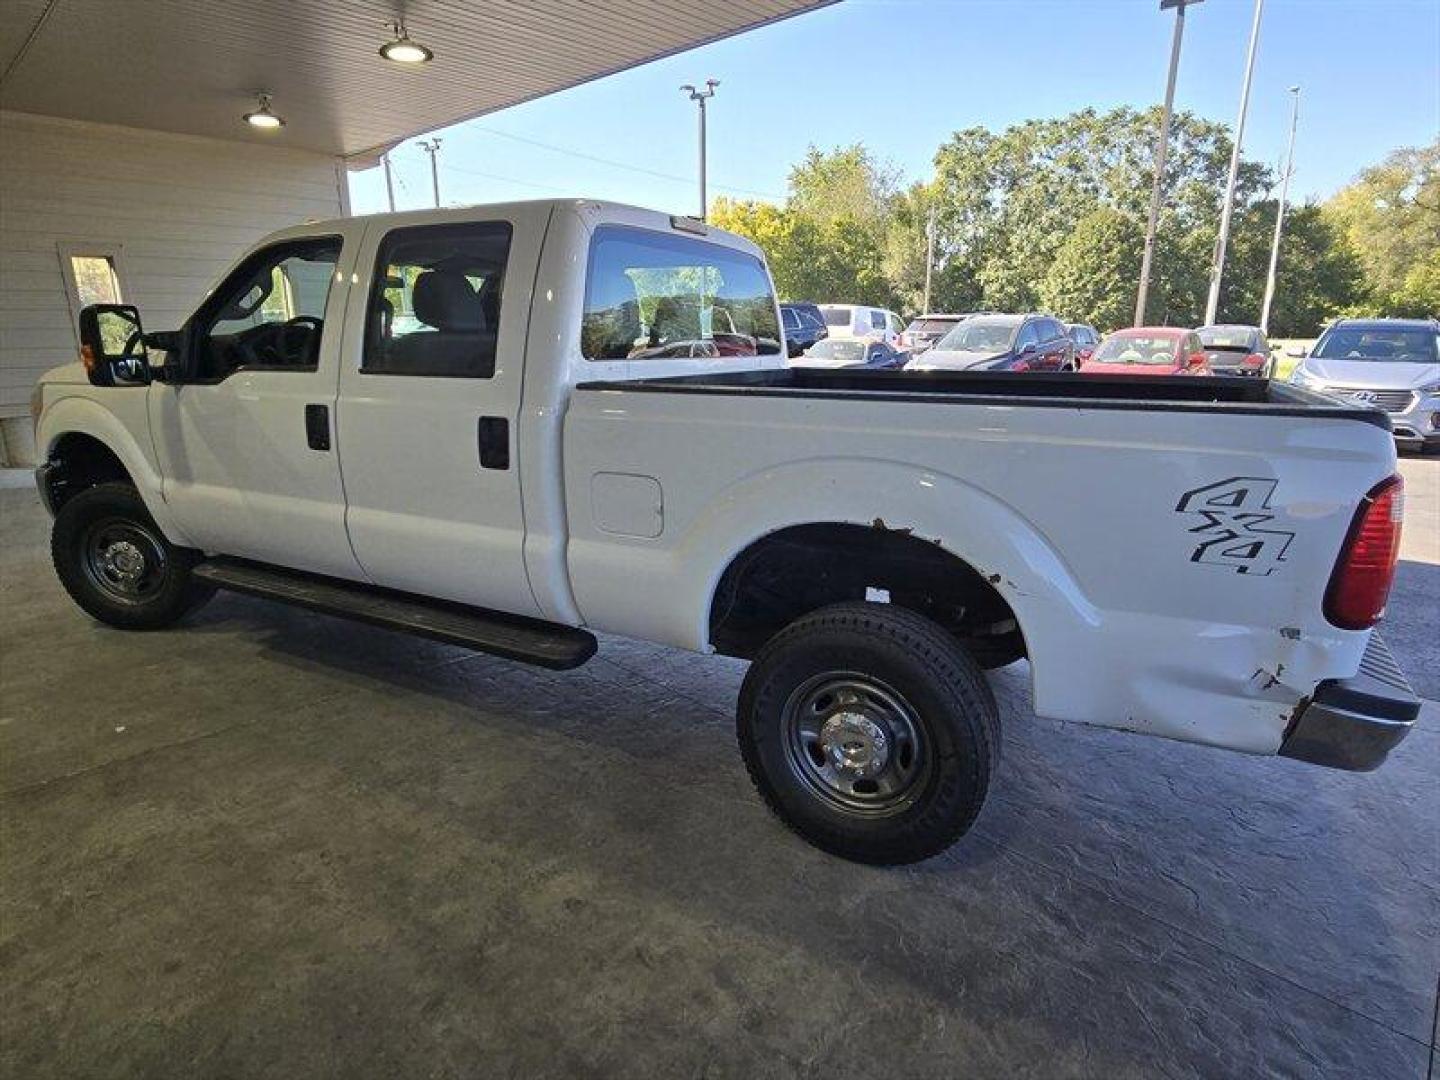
(929, 255)
(1213, 303)
(700, 97)
(433, 149)
(1280, 213)
(389, 181)
(1161, 149)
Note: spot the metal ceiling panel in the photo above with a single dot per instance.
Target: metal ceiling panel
(194, 67)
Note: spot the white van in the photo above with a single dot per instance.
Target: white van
(858, 321)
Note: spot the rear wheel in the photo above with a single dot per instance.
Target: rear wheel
(116, 564)
(870, 731)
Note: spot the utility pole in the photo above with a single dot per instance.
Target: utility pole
(700, 97)
(929, 255)
(1213, 303)
(389, 181)
(1162, 148)
(433, 149)
(1280, 212)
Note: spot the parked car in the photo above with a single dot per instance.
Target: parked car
(1149, 350)
(1085, 337)
(1236, 350)
(851, 353)
(1389, 364)
(803, 325)
(924, 331)
(859, 321)
(870, 541)
(1001, 343)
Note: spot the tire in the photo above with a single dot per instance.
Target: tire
(826, 714)
(116, 563)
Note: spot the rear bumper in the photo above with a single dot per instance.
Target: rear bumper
(1354, 723)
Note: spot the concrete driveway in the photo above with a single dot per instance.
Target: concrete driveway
(275, 844)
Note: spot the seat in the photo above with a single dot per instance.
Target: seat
(460, 341)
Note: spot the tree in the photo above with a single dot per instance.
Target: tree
(1391, 217)
(1094, 274)
(1318, 275)
(1010, 201)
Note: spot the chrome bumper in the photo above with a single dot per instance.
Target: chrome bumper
(1354, 723)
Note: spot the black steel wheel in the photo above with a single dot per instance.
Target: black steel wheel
(870, 731)
(116, 563)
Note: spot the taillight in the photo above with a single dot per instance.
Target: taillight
(1253, 360)
(1360, 585)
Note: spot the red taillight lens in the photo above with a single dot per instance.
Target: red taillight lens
(1254, 360)
(1360, 585)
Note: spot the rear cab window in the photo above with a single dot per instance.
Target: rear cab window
(653, 295)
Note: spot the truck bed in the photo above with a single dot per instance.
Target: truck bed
(1231, 396)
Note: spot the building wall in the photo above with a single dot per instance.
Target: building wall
(179, 209)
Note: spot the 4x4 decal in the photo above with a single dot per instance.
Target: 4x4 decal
(1233, 513)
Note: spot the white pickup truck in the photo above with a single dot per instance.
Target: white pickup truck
(509, 426)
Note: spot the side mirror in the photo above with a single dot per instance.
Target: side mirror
(1299, 352)
(112, 345)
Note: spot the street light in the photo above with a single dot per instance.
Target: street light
(1161, 149)
(1280, 212)
(1213, 303)
(700, 97)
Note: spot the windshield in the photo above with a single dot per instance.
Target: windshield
(978, 335)
(1227, 338)
(930, 326)
(844, 350)
(1385, 345)
(837, 316)
(1137, 349)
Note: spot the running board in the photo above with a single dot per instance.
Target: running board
(514, 637)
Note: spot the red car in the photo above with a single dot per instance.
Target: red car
(1149, 350)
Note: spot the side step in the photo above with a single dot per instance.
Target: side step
(511, 636)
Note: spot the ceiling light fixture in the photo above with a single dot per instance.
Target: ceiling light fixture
(263, 117)
(402, 50)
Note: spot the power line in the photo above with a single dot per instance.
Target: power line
(506, 179)
(618, 164)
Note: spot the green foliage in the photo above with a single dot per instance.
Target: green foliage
(1093, 276)
(1391, 217)
(1050, 214)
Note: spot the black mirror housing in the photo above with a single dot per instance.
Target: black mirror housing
(112, 345)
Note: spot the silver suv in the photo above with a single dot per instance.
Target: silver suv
(1390, 364)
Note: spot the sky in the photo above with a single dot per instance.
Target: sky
(901, 75)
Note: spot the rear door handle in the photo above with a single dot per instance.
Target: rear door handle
(317, 426)
(494, 438)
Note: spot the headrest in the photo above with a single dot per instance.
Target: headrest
(446, 300)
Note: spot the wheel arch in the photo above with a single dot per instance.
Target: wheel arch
(82, 444)
(789, 572)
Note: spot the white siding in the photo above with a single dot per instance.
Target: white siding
(180, 207)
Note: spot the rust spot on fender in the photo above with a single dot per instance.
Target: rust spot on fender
(879, 523)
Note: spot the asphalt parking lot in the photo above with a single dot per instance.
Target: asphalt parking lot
(275, 844)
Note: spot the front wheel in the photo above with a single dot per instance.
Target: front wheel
(870, 731)
(117, 565)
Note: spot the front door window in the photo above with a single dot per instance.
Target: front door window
(270, 313)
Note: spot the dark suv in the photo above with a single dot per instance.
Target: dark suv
(803, 325)
(1032, 342)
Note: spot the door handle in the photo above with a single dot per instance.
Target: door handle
(317, 426)
(493, 434)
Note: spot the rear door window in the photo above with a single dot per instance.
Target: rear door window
(652, 295)
(877, 320)
(435, 301)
